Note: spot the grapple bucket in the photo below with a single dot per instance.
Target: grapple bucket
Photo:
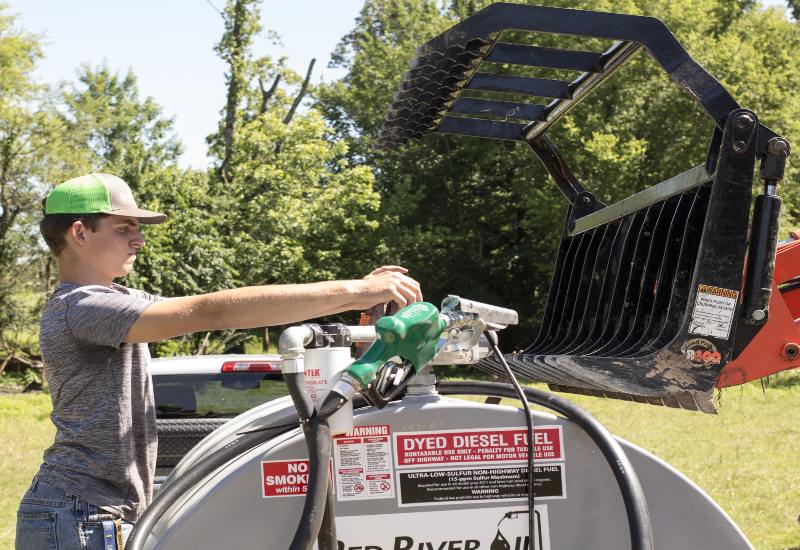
(651, 297)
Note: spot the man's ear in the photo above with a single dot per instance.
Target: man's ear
(77, 233)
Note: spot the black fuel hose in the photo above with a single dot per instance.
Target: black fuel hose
(639, 524)
(491, 336)
(319, 446)
(295, 382)
(326, 537)
(318, 441)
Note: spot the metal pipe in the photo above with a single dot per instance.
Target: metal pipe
(362, 334)
(293, 341)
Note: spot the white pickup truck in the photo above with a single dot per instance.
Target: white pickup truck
(195, 395)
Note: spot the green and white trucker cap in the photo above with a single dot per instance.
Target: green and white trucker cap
(95, 194)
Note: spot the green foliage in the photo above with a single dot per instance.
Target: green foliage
(296, 208)
(241, 19)
(28, 129)
(303, 213)
(115, 131)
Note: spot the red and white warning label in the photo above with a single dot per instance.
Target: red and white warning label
(363, 463)
(284, 478)
(477, 446)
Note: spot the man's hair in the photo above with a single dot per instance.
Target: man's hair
(54, 228)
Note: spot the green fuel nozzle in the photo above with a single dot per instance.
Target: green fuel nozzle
(412, 334)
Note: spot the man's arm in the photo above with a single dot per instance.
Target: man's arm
(261, 306)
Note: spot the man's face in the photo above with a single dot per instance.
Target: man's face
(111, 249)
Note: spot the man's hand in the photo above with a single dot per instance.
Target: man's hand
(388, 283)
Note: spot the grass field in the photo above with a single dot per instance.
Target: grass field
(25, 431)
(747, 457)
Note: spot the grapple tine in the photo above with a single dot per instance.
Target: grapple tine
(621, 275)
(647, 287)
(594, 273)
(559, 296)
(690, 244)
(665, 275)
(609, 276)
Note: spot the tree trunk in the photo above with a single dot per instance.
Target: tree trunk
(234, 80)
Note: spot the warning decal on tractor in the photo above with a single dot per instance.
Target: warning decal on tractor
(363, 463)
(479, 484)
(713, 311)
(416, 449)
(471, 529)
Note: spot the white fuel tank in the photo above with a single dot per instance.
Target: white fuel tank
(439, 472)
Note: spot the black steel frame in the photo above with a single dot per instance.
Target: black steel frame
(619, 317)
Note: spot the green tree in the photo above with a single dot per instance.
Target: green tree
(298, 209)
(29, 137)
(113, 129)
(241, 19)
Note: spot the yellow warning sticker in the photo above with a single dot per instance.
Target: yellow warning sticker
(716, 291)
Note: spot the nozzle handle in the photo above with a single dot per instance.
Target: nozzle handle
(412, 334)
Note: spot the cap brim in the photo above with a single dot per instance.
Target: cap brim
(144, 216)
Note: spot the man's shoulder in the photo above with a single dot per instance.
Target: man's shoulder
(73, 297)
(93, 314)
(73, 292)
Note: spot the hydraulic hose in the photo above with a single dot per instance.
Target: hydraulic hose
(194, 475)
(639, 524)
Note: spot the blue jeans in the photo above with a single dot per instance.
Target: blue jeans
(50, 518)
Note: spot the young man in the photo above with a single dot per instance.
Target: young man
(97, 477)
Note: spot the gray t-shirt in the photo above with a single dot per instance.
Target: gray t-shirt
(103, 409)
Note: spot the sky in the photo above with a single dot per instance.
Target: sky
(169, 45)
